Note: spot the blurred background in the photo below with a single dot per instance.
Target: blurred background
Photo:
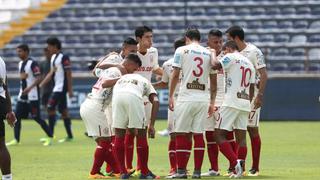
(287, 32)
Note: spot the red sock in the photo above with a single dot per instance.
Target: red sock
(183, 148)
(143, 154)
(129, 144)
(213, 150)
(118, 151)
(99, 157)
(232, 141)
(226, 150)
(109, 158)
(256, 147)
(198, 150)
(242, 154)
(172, 155)
(108, 167)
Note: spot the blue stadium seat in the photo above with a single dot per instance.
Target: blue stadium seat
(279, 67)
(81, 13)
(288, 11)
(267, 38)
(282, 38)
(315, 25)
(37, 53)
(160, 39)
(314, 38)
(304, 10)
(125, 13)
(66, 13)
(101, 39)
(139, 12)
(299, 38)
(314, 54)
(270, 25)
(224, 24)
(228, 11)
(120, 26)
(36, 27)
(9, 53)
(17, 40)
(91, 26)
(178, 25)
(209, 25)
(280, 52)
(105, 26)
(242, 24)
(164, 25)
(302, 24)
(298, 52)
(254, 24)
(297, 67)
(154, 12)
(110, 13)
(83, 52)
(72, 39)
(213, 11)
(315, 10)
(86, 39)
(97, 52)
(243, 12)
(257, 11)
(198, 12)
(168, 12)
(48, 26)
(285, 24)
(30, 39)
(272, 11)
(76, 26)
(314, 67)
(97, 13)
(62, 26)
(252, 38)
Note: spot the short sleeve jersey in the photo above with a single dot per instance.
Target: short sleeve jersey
(3, 75)
(109, 59)
(134, 84)
(105, 94)
(31, 70)
(149, 63)
(60, 63)
(194, 61)
(166, 76)
(239, 74)
(256, 57)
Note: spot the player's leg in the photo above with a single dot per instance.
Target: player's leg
(172, 144)
(119, 150)
(21, 112)
(63, 109)
(35, 114)
(129, 147)
(5, 159)
(99, 157)
(51, 109)
(253, 130)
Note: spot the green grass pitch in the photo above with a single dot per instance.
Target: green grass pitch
(290, 150)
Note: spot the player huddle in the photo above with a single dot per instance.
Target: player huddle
(214, 92)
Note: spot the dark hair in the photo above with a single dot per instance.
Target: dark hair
(139, 32)
(133, 57)
(230, 44)
(130, 41)
(235, 31)
(54, 42)
(193, 34)
(179, 42)
(24, 47)
(215, 32)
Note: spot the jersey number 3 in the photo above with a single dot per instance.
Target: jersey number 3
(199, 61)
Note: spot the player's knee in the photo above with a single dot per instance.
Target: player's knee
(253, 131)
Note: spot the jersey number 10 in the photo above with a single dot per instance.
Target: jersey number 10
(245, 78)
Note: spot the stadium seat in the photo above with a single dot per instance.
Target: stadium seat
(91, 26)
(299, 38)
(297, 67)
(242, 24)
(30, 39)
(97, 13)
(254, 24)
(86, 39)
(197, 12)
(282, 38)
(17, 40)
(81, 13)
(302, 24)
(154, 12)
(315, 25)
(270, 25)
(304, 10)
(272, 11)
(279, 67)
(111, 13)
(314, 54)
(243, 12)
(315, 10)
(139, 12)
(298, 52)
(280, 52)
(252, 38)
(257, 11)
(62, 26)
(314, 38)
(228, 11)
(65, 13)
(288, 11)
(72, 39)
(213, 11)
(76, 26)
(267, 38)
(48, 26)
(285, 24)
(160, 39)
(164, 25)
(314, 67)
(223, 25)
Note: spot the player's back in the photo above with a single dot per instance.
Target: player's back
(134, 84)
(195, 63)
(239, 74)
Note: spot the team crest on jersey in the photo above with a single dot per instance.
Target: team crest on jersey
(243, 95)
(196, 85)
(226, 60)
(186, 51)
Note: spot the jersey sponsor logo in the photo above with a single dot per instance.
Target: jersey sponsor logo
(143, 68)
(196, 85)
(226, 60)
(243, 95)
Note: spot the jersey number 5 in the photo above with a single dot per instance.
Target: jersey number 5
(200, 62)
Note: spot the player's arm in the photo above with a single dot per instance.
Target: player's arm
(47, 78)
(36, 73)
(251, 91)
(174, 81)
(10, 116)
(153, 98)
(109, 82)
(213, 55)
(69, 80)
(160, 85)
(213, 93)
(216, 65)
(158, 71)
(262, 85)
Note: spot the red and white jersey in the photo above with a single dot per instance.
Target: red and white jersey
(220, 84)
(3, 76)
(256, 57)
(166, 76)
(149, 63)
(60, 63)
(104, 94)
(194, 61)
(31, 69)
(134, 84)
(239, 74)
(113, 58)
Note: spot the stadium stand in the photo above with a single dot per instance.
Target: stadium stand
(286, 31)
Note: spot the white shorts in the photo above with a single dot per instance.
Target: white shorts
(231, 118)
(190, 116)
(128, 112)
(94, 118)
(210, 123)
(108, 114)
(254, 118)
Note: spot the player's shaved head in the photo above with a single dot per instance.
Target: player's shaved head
(141, 30)
(236, 31)
(193, 34)
(129, 41)
(230, 44)
(133, 57)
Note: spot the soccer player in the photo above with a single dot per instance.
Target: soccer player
(60, 72)
(128, 112)
(45, 69)
(5, 113)
(98, 125)
(28, 98)
(165, 80)
(149, 59)
(191, 108)
(240, 78)
(254, 54)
